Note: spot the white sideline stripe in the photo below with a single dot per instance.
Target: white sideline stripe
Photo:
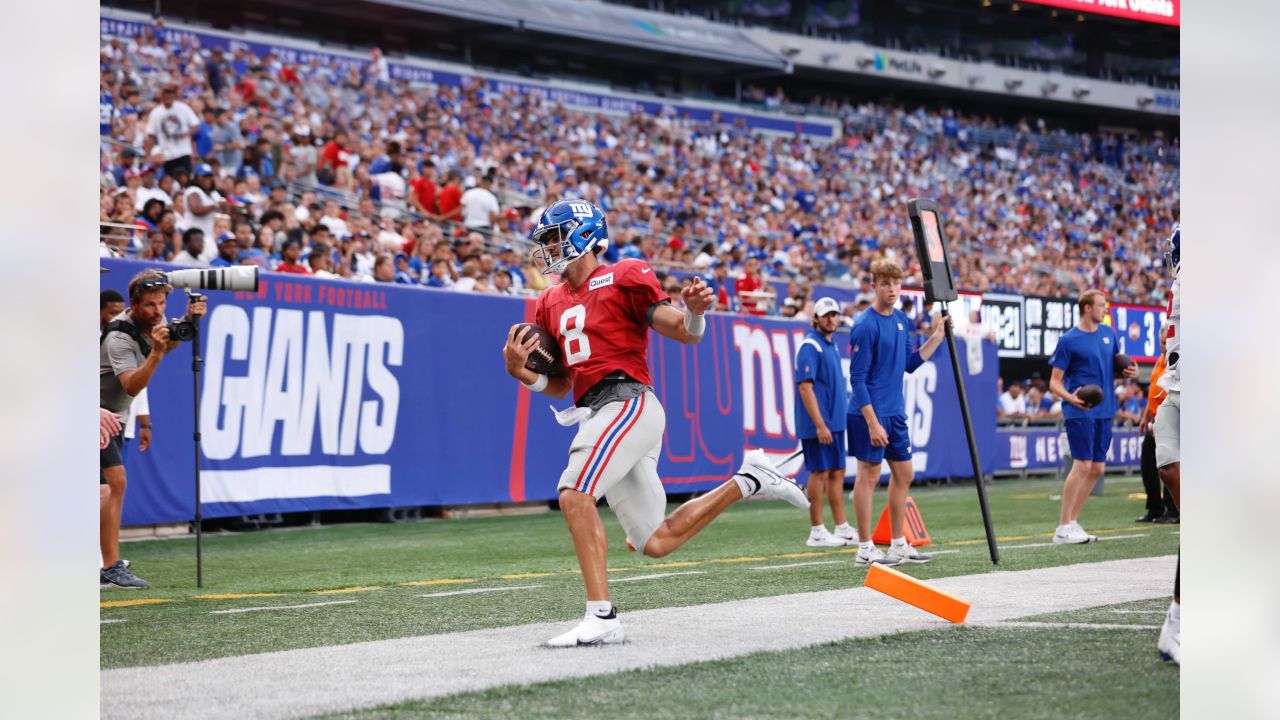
(1050, 544)
(794, 565)
(473, 591)
(1069, 625)
(280, 607)
(108, 621)
(1140, 612)
(655, 576)
(229, 486)
(338, 678)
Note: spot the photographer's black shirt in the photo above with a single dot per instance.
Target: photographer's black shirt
(117, 353)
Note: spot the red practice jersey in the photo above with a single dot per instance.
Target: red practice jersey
(602, 325)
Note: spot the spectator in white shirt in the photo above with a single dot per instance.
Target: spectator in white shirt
(201, 202)
(149, 189)
(192, 249)
(480, 206)
(1013, 404)
(170, 126)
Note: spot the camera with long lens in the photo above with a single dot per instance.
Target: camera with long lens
(241, 278)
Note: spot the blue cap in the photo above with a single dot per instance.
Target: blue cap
(225, 237)
(203, 169)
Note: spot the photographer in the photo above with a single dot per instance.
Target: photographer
(131, 349)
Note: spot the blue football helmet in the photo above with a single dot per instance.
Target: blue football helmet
(1172, 249)
(568, 230)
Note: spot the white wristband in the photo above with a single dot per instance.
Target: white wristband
(537, 385)
(695, 324)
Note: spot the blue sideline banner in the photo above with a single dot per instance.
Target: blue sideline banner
(1045, 448)
(322, 395)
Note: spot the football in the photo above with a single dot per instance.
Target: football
(1090, 395)
(545, 358)
(1121, 362)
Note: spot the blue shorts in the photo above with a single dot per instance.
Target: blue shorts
(899, 447)
(819, 457)
(1089, 439)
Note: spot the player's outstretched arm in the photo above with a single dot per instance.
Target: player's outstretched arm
(516, 352)
(688, 326)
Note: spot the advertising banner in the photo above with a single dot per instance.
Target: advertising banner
(320, 395)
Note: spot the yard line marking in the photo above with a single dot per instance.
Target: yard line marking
(340, 678)
(235, 596)
(1067, 625)
(655, 576)
(1122, 537)
(739, 559)
(795, 565)
(473, 591)
(139, 601)
(108, 621)
(674, 564)
(801, 554)
(358, 588)
(280, 607)
(522, 576)
(439, 581)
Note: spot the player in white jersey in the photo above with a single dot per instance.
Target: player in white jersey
(1167, 433)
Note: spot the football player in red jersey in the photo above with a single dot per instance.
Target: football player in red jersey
(601, 317)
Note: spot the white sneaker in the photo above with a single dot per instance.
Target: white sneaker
(875, 555)
(907, 554)
(1170, 642)
(823, 538)
(769, 482)
(1072, 534)
(846, 532)
(590, 632)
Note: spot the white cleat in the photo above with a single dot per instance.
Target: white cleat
(769, 481)
(875, 556)
(1170, 642)
(823, 538)
(848, 533)
(591, 632)
(907, 554)
(1072, 534)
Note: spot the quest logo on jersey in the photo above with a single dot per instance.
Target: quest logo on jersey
(599, 282)
(277, 376)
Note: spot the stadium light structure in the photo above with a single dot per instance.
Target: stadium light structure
(1081, 92)
(1050, 87)
(1012, 84)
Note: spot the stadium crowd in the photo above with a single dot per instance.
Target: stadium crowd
(215, 157)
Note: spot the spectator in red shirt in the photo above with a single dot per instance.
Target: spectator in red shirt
(290, 254)
(423, 196)
(334, 153)
(449, 201)
(749, 283)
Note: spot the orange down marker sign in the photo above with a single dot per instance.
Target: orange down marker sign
(915, 532)
(911, 591)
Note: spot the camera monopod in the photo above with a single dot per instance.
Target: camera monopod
(244, 279)
(940, 287)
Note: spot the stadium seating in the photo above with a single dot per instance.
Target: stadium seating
(1035, 210)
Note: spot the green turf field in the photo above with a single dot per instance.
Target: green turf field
(375, 575)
